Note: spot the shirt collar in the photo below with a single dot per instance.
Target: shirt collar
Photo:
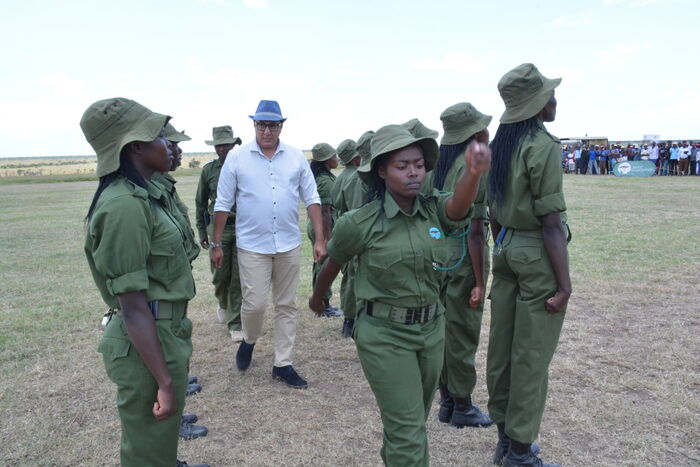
(280, 148)
(392, 209)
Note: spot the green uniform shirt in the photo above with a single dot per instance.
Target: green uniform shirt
(396, 250)
(354, 194)
(455, 172)
(179, 211)
(205, 199)
(535, 183)
(337, 193)
(324, 185)
(134, 244)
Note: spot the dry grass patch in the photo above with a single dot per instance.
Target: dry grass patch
(624, 387)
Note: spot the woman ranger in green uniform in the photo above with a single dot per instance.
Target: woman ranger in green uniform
(531, 284)
(325, 159)
(135, 250)
(462, 293)
(399, 242)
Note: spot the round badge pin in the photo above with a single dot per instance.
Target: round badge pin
(435, 233)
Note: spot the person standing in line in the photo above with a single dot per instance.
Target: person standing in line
(577, 159)
(325, 159)
(347, 152)
(226, 279)
(585, 158)
(464, 285)
(693, 158)
(683, 158)
(673, 159)
(664, 157)
(654, 155)
(593, 160)
(696, 151)
(135, 249)
(531, 284)
(399, 241)
(353, 195)
(265, 179)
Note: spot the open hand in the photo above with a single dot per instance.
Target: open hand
(216, 255)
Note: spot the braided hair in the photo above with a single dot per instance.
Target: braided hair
(448, 154)
(126, 169)
(504, 144)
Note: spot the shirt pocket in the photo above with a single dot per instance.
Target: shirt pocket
(384, 266)
(526, 255)
(161, 261)
(113, 348)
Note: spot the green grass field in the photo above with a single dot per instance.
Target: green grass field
(624, 384)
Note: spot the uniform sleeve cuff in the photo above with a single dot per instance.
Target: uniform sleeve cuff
(130, 282)
(550, 203)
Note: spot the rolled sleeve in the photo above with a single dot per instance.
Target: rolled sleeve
(307, 186)
(345, 243)
(546, 181)
(121, 239)
(226, 188)
(450, 225)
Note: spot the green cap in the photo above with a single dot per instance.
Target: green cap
(171, 134)
(363, 146)
(392, 137)
(525, 91)
(347, 151)
(462, 121)
(222, 135)
(417, 129)
(111, 124)
(322, 152)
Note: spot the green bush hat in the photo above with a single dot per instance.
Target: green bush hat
(322, 152)
(417, 129)
(111, 124)
(525, 91)
(347, 151)
(223, 135)
(462, 121)
(171, 134)
(392, 137)
(363, 146)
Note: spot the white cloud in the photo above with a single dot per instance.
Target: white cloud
(629, 2)
(581, 19)
(621, 53)
(256, 3)
(452, 61)
(218, 2)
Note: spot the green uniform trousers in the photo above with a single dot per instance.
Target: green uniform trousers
(523, 335)
(227, 281)
(348, 302)
(462, 328)
(402, 364)
(144, 440)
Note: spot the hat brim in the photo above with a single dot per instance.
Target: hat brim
(217, 142)
(429, 146)
(324, 158)
(346, 159)
(462, 134)
(146, 130)
(531, 106)
(267, 117)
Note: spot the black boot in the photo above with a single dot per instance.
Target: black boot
(189, 431)
(447, 405)
(348, 324)
(504, 444)
(521, 455)
(468, 414)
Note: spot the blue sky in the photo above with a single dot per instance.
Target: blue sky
(629, 67)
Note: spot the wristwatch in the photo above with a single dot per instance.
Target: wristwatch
(215, 245)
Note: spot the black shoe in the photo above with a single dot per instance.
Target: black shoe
(185, 464)
(188, 418)
(244, 355)
(332, 308)
(191, 379)
(447, 405)
(502, 449)
(193, 389)
(329, 313)
(529, 459)
(467, 414)
(348, 324)
(190, 431)
(289, 376)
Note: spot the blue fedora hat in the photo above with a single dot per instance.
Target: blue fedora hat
(268, 111)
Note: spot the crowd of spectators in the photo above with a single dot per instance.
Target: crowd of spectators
(670, 158)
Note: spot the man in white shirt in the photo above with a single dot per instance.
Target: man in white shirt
(266, 179)
(683, 158)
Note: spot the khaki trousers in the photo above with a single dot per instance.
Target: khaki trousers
(260, 272)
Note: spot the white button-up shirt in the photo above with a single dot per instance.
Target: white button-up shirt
(266, 193)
